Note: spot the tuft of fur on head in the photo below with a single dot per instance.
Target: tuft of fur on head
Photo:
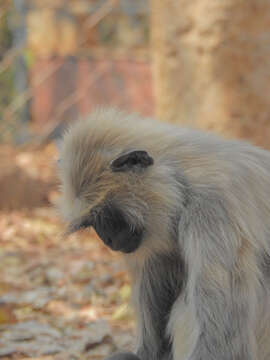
(149, 198)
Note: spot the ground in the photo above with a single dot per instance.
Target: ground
(60, 297)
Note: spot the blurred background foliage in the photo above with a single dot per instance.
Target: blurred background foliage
(200, 63)
(100, 44)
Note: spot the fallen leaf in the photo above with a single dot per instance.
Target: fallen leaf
(125, 292)
(7, 315)
(123, 312)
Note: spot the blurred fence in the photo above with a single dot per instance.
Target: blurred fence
(61, 58)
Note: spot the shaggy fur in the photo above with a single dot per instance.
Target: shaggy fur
(201, 276)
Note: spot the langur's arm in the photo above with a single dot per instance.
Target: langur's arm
(223, 281)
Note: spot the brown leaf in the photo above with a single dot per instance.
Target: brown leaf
(7, 315)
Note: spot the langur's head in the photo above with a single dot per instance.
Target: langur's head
(116, 180)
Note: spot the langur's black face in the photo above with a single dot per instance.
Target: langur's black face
(112, 227)
(115, 231)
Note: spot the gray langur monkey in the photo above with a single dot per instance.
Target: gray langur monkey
(191, 214)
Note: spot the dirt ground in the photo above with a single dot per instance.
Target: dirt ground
(60, 297)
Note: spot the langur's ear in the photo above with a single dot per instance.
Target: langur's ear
(133, 160)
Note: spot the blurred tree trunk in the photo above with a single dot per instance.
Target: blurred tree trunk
(20, 71)
(212, 65)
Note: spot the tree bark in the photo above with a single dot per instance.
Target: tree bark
(211, 65)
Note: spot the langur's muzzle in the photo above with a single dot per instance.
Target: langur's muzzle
(116, 232)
